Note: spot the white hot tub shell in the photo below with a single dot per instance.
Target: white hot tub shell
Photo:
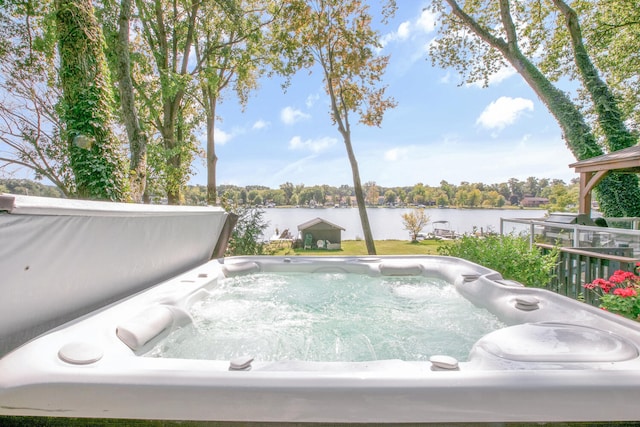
(553, 363)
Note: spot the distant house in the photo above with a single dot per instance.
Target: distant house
(533, 202)
(323, 234)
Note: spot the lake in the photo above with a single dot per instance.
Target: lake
(386, 223)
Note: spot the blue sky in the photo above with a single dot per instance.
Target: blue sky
(438, 131)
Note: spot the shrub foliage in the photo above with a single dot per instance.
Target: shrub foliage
(510, 255)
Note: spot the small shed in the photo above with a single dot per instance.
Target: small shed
(324, 234)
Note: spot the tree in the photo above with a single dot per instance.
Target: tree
(168, 30)
(612, 31)
(85, 108)
(390, 197)
(516, 189)
(30, 128)
(486, 35)
(371, 193)
(449, 189)
(562, 198)
(402, 196)
(288, 189)
(337, 37)
(231, 51)
(494, 199)
(531, 187)
(414, 222)
(117, 27)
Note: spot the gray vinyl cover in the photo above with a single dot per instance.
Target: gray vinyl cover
(60, 259)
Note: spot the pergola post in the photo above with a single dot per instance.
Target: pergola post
(585, 196)
(588, 180)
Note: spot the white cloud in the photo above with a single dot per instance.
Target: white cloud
(427, 21)
(260, 124)
(221, 137)
(290, 115)
(401, 33)
(395, 154)
(502, 74)
(503, 112)
(313, 145)
(311, 100)
(404, 30)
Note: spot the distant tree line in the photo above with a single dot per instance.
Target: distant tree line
(561, 196)
(29, 188)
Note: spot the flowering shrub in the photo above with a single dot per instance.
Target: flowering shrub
(619, 294)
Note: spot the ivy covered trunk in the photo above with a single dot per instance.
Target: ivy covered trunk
(618, 194)
(96, 158)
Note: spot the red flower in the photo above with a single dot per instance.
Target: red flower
(621, 276)
(625, 292)
(603, 284)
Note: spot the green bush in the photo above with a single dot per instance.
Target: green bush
(246, 236)
(510, 255)
(245, 239)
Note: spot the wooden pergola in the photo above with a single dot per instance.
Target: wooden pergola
(594, 169)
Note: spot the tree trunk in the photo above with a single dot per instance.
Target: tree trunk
(212, 159)
(95, 158)
(362, 208)
(172, 174)
(137, 138)
(609, 115)
(611, 122)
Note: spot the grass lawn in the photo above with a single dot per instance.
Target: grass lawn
(358, 247)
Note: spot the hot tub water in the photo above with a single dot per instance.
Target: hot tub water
(329, 317)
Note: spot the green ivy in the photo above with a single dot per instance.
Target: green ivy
(96, 157)
(618, 195)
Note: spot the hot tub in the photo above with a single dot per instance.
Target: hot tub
(545, 358)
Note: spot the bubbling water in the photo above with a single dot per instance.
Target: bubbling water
(329, 317)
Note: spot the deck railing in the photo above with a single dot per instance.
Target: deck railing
(585, 252)
(576, 267)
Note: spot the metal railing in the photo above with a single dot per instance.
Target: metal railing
(573, 235)
(586, 253)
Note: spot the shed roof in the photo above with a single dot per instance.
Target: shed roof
(625, 160)
(594, 169)
(316, 221)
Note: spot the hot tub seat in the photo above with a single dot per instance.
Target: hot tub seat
(561, 344)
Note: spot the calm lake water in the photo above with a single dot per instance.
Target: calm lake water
(386, 223)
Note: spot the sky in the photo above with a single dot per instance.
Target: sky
(439, 130)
